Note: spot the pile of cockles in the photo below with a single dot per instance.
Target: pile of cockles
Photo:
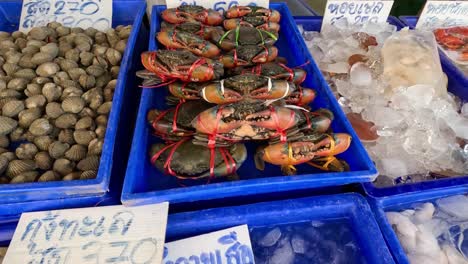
(227, 86)
(56, 90)
(391, 86)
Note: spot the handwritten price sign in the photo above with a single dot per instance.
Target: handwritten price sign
(74, 13)
(111, 234)
(357, 12)
(439, 14)
(220, 6)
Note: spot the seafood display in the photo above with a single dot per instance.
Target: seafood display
(433, 232)
(391, 86)
(454, 41)
(56, 89)
(227, 87)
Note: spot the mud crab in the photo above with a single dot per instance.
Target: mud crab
(316, 149)
(274, 70)
(252, 16)
(185, 160)
(249, 55)
(227, 124)
(188, 41)
(244, 36)
(192, 13)
(175, 123)
(454, 38)
(196, 28)
(171, 65)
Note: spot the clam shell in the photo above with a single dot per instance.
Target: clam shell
(76, 153)
(121, 45)
(8, 155)
(30, 50)
(89, 163)
(73, 55)
(91, 32)
(27, 74)
(112, 37)
(71, 176)
(83, 137)
(9, 93)
(114, 71)
(76, 73)
(113, 56)
(42, 57)
(60, 77)
(12, 108)
(100, 131)
(124, 32)
(88, 175)
(43, 142)
(73, 104)
(5, 100)
(16, 167)
(69, 83)
(18, 34)
(91, 93)
(40, 127)
(12, 56)
(96, 102)
(71, 91)
(57, 149)
(99, 50)
(101, 61)
(108, 94)
(66, 120)
(18, 84)
(4, 142)
(49, 176)
(51, 92)
(47, 69)
(24, 177)
(54, 25)
(105, 108)
(54, 110)
(66, 136)
(10, 68)
(3, 150)
(26, 117)
(4, 35)
(33, 89)
(87, 81)
(3, 164)
(7, 125)
(26, 151)
(3, 84)
(86, 58)
(18, 134)
(100, 38)
(38, 33)
(95, 70)
(62, 30)
(101, 120)
(95, 147)
(85, 123)
(63, 166)
(103, 80)
(41, 80)
(35, 101)
(83, 47)
(67, 65)
(87, 112)
(50, 48)
(26, 60)
(43, 160)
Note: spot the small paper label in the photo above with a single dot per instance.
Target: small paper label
(357, 12)
(441, 14)
(230, 245)
(219, 6)
(109, 234)
(74, 13)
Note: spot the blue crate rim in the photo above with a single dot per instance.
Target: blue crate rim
(101, 183)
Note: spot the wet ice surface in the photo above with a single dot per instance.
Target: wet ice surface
(305, 243)
(422, 129)
(434, 232)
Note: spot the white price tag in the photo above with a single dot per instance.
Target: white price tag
(230, 245)
(440, 14)
(357, 12)
(71, 13)
(220, 6)
(109, 234)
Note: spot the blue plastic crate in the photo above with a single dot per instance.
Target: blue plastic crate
(117, 140)
(400, 203)
(349, 209)
(145, 184)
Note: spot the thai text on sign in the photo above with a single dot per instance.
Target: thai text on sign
(440, 14)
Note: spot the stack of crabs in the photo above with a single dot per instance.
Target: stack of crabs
(227, 86)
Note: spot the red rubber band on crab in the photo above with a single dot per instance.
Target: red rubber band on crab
(282, 132)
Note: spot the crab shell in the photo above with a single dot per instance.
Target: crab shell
(192, 13)
(236, 57)
(232, 23)
(240, 36)
(196, 28)
(186, 90)
(273, 70)
(240, 11)
(193, 161)
(188, 41)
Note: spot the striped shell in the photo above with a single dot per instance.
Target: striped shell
(57, 149)
(3, 164)
(89, 163)
(85, 123)
(66, 136)
(28, 74)
(95, 70)
(63, 166)
(54, 110)
(87, 81)
(17, 84)
(7, 125)
(76, 153)
(43, 142)
(67, 65)
(73, 104)
(26, 117)
(83, 137)
(18, 134)
(33, 89)
(16, 167)
(51, 92)
(88, 175)
(12, 108)
(40, 127)
(24, 177)
(95, 147)
(9, 93)
(49, 176)
(4, 142)
(66, 120)
(47, 69)
(114, 71)
(121, 45)
(35, 101)
(86, 58)
(26, 60)
(43, 160)
(42, 57)
(113, 56)
(26, 151)
(10, 68)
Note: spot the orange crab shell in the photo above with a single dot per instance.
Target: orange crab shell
(203, 48)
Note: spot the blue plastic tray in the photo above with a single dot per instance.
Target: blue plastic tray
(352, 208)
(402, 202)
(119, 132)
(145, 184)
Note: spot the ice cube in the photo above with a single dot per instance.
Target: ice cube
(393, 167)
(298, 244)
(360, 74)
(459, 126)
(424, 213)
(283, 254)
(338, 67)
(455, 205)
(270, 238)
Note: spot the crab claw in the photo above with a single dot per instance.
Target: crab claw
(267, 55)
(172, 16)
(276, 89)
(318, 121)
(270, 26)
(229, 61)
(274, 118)
(334, 145)
(238, 11)
(217, 94)
(301, 96)
(211, 121)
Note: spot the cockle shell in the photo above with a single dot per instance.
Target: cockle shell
(41, 80)
(33, 89)
(61, 77)
(26, 60)
(96, 101)
(4, 142)
(101, 61)
(57, 149)
(103, 80)
(83, 137)
(76, 153)
(3, 150)
(26, 151)
(51, 92)
(30, 50)
(38, 100)
(124, 31)
(113, 56)
(121, 45)
(100, 37)
(40, 127)
(18, 84)
(100, 131)
(62, 30)
(71, 176)
(9, 93)
(87, 81)
(3, 164)
(3, 84)
(12, 56)
(16, 167)
(95, 146)
(43, 142)
(105, 108)
(7, 125)
(26, 117)
(91, 32)
(10, 68)
(73, 104)
(24, 177)
(50, 48)
(76, 73)
(63, 166)
(5, 100)
(12, 108)
(49, 176)
(89, 163)
(115, 71)
(73, 55)
(101, 120)
(67, 65)
(27, 74)
(66, 120)
(54, 25)
(87, 175)
(108, 94)
(54, 110)
(85, 123)
(47, 69)
(43, 160)
(66, 136)
(71, 91)
(95, 70)
(86, 58)
(18, 134)
(112, 37)
(42, 57)
(8, 155)
(87, 112)
(99, 50)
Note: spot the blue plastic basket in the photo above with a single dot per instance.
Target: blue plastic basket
(350, 208)
(117, 139)
(145, 184)
(400, 203)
